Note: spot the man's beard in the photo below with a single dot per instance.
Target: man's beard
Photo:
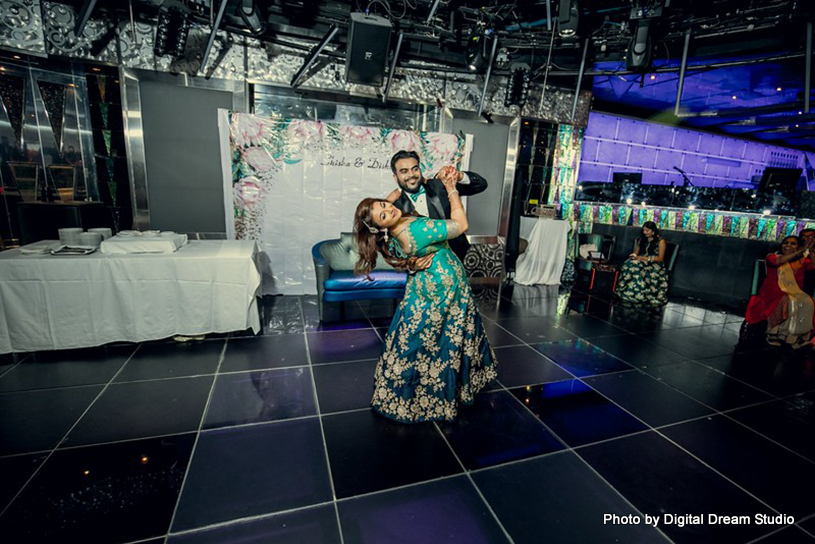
(406, 188)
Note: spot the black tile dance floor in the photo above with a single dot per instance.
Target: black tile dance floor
(599, 413)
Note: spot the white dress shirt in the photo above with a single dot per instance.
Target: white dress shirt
(420, 200)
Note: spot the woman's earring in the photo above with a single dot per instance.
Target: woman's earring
(386, 236)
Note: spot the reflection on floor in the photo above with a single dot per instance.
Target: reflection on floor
(599, 413)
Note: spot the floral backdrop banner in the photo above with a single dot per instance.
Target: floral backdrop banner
(292, 183)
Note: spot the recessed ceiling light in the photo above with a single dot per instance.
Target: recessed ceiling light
(734, 97)
(653, 76)
(778, 89)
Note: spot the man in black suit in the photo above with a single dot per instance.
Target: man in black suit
(428, 197)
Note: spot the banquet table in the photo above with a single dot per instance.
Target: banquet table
(60, 302)
(542, 262)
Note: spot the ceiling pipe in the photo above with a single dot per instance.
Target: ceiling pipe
(212, 34)
(808, 71)
(580, 78)
(487, 76)
(546, 73)
(682, 69)
(393, 68)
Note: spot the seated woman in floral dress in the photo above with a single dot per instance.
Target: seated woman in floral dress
(436, 353)
(643, 278)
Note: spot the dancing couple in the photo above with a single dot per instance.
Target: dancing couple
(436, 353)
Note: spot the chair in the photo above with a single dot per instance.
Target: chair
(751, 333)
(604, 243)
(671, 251)
(759, 275)
(334, 262)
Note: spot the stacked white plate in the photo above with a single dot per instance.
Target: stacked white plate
(69, 236)
(90, 239)
(105, 232)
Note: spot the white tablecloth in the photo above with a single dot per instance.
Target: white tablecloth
(542, 262)
(61, 302)
(123, 245)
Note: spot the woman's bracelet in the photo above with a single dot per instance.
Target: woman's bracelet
(451, 192)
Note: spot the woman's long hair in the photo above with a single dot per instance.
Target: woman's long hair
(369, 243)
(644, 244)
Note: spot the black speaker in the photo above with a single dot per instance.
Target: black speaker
(367, 51)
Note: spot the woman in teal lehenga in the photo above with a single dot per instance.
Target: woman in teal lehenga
(436, 353)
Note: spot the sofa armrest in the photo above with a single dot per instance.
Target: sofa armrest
(322, 268)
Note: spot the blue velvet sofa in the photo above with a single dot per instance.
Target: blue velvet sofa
(334, 262)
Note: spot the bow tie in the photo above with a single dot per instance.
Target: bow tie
(415, 196)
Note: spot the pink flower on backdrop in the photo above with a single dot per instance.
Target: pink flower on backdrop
(246, 130)
(405, 139)
(248, 190)
(353, 135)
(304, 133)
(443, 147)
(259, 159)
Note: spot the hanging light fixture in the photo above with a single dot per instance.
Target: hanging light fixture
(478, 48)
(517, 86)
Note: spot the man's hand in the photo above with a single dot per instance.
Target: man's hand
(394, 195)
(417, 264)
(450, 172)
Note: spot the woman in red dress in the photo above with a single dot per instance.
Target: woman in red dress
(780, 300)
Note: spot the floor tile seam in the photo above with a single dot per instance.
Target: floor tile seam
(13, 366)
(204, 414)
(475, 486)
(371, 323)
(573, 377)
(123, 441)
(713, 411)
(615, 490)
(44, 389)
(698, 362)
(246, 519)
(266, 369)
(589, 342)
(775, 532)
(507, 331)
(343, 362)
(660, 380)
(148, 539)
(536, 418)
(772, 440)
(169, 378)
(327, 458)
(64, 436)
(716, 471)
(810, 532)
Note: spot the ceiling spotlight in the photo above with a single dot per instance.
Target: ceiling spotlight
(642, 203)
(250, 14)
(518, 86)
(766, 212)
(653, 76)
(778, 89)
(691, 207)
(175, 24)
(734, 97)
(628, 201)
(478, 48)
(567, 18)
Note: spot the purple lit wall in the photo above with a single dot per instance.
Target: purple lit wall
(619, 144)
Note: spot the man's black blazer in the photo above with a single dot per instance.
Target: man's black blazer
(438, 204)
